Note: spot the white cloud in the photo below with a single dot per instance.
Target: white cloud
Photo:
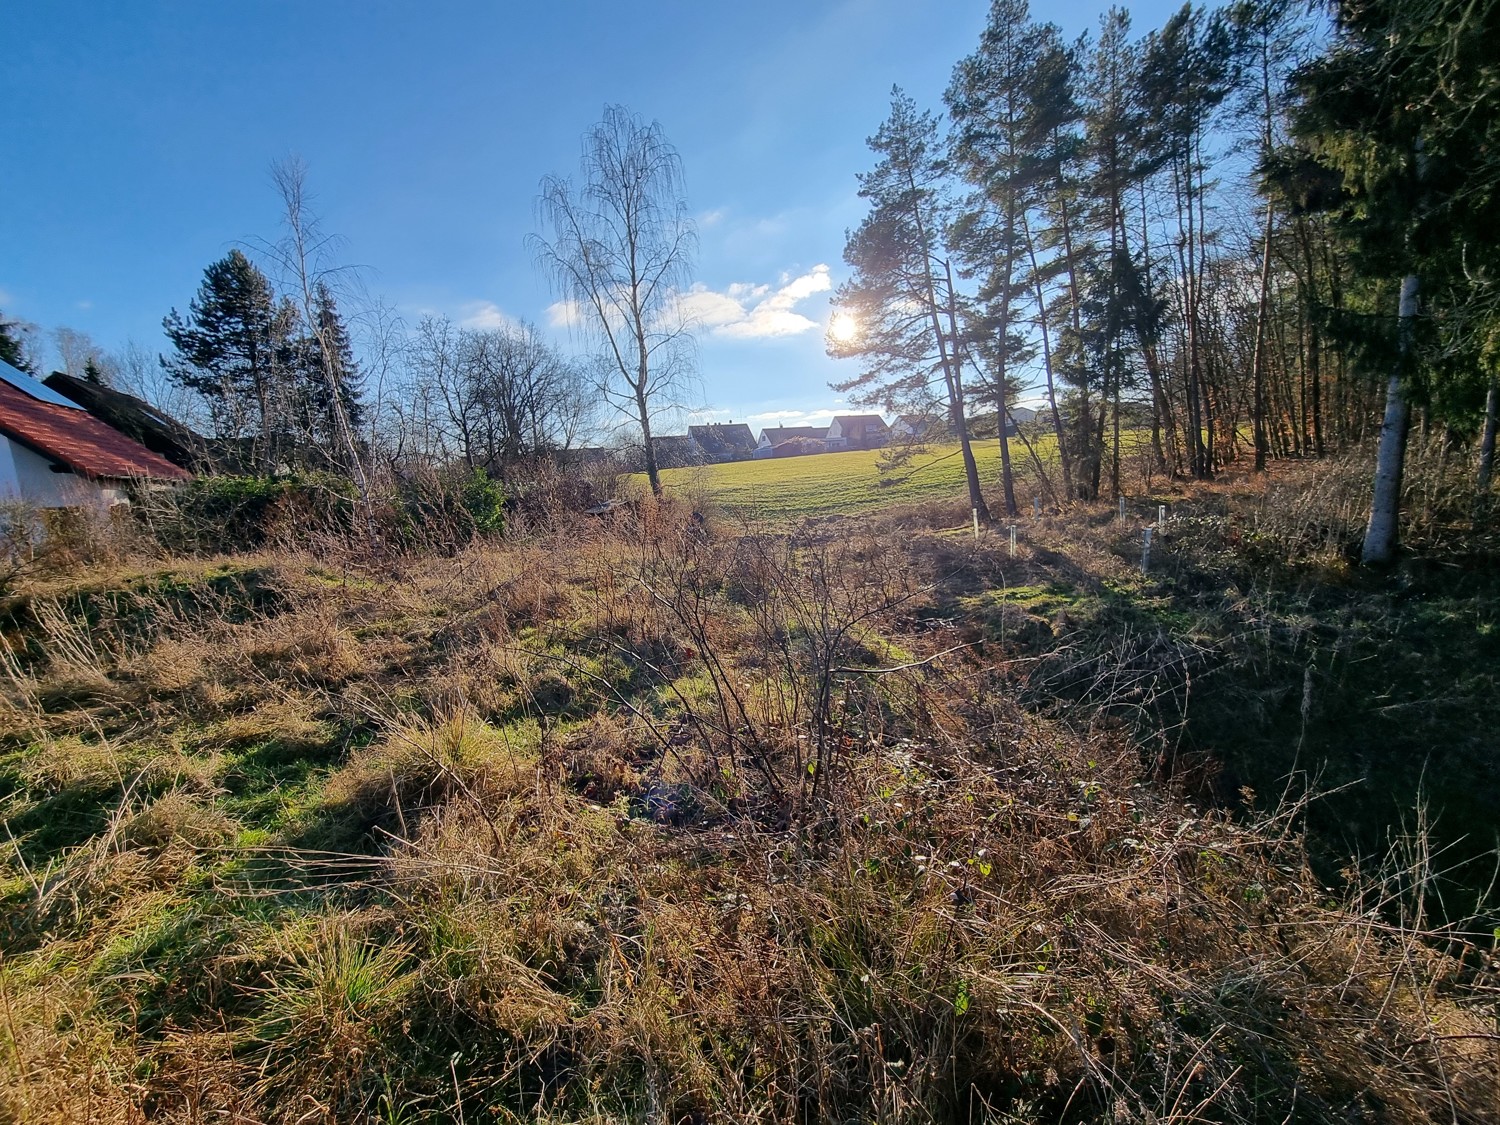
(711, 218)
(486, 314)
(84, 305)
(745, 311)
(705, 308)
(565, 314)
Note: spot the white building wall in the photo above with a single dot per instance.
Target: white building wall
(10, 488)
(28, 477)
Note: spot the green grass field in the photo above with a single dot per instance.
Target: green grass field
(825, 484)
(839, 483)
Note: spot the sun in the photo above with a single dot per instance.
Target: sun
(843, 328)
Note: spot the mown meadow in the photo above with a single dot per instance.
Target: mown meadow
(848, 483)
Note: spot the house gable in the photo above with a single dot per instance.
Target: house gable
(70, 436)
(858, 431)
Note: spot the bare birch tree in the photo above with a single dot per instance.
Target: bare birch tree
(301, 253)
(620, 251)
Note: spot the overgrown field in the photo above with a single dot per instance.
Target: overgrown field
(666, 821)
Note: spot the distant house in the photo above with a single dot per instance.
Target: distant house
(676, 451)
(918, 427)
(55, 454)
(811, 439)
(592, 457)
(1024, 415)
(726, 441)
(857, 431)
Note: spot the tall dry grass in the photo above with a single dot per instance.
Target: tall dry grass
(661, 819)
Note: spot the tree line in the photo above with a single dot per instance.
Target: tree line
(1199, 235)
(1260, 231)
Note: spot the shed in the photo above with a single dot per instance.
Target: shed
(773, 436)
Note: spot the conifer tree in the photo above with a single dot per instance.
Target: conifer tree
(903, 295)
(1185, 76)
(318, 416)
(1405, 105)
(13, 347)
(1000, 137)
(233, 349)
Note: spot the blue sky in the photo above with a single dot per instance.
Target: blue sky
(140, 134)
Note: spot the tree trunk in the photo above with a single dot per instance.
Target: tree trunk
(652, 475)
(1258, 362)
(1487, 441)
(1163, 421)
(1385, 504)
(1041, 319)
(642, 407)
(1314, 341)
(1006, 477)
(950, 360)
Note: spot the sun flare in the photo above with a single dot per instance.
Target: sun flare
(843, 328)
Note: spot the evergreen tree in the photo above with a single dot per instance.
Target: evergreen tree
(902, 295)
(233, 348)
(13, 347)
(1002, 132)
(1113, 305)
(1405, 106)
(1057, 247)
(1266, 36)
(318, 420)
(1185, 76)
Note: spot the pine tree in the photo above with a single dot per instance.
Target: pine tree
(318, 420)
(1001, 134)
(902, 295)
(1185, 75)
(233, 349)
(1114, 308)
(13, 347)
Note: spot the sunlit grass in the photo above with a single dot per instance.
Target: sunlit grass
(824, 484)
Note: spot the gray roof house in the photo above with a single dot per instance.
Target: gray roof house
(724, 441)
(772, 436)
(858, 431)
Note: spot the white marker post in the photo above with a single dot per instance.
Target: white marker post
(1012, 540)
(1161, 516)
(1146, 552)
(1122, 509)
(976, 523)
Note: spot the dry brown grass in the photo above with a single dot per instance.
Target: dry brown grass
(659, 822)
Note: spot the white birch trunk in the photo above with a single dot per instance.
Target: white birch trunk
(1390, 459)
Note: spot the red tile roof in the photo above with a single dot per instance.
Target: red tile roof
(79, 440)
